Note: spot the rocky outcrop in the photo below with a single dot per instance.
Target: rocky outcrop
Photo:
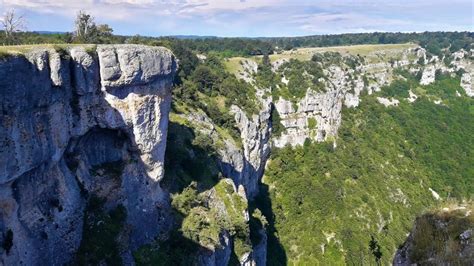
(88, 122)
(440, 238)
(388, 102)
(429, 75)
(233, 159)
(255, 135)
(317, 116)
(463, 60)
(220, 256)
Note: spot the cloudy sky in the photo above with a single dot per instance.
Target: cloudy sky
(250, 17)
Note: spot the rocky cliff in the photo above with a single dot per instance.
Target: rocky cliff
(317, 115)
(443, 237)
(78, 124)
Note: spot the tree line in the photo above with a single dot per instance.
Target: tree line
(86, 30)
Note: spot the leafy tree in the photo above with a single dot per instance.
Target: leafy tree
(375, 249)
(104, 33)
(205, 78)
(86, 30)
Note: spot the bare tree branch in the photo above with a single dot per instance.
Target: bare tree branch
(12, 23)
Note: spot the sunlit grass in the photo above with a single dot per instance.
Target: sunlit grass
(373, 52)
(362, 50)
(24, 49)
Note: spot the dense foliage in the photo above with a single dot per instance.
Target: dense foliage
(356, 203)
(207, 86)
(434, 42)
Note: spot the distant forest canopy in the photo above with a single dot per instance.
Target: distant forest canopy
(434, 42)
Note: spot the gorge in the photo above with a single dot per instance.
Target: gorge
(101, 164)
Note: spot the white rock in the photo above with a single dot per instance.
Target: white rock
(435, 194)
(428, 75)
(467, 85)
(412, 97)
(388, 102)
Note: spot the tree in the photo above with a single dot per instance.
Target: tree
(85, 26)
(375, 249)
(104, 33)
(86, 30)
(12, 23)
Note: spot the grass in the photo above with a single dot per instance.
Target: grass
(369, 50)
(233, 64)
(24, 49)
(372, 52)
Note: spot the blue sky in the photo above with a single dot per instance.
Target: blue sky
(250, 17)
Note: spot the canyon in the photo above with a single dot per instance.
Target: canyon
(90, 123)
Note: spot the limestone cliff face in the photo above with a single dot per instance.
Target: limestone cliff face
(255, 134)
(317, 116)
(66, 118)
(323, 109)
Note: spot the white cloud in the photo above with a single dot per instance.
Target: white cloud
(261, 17)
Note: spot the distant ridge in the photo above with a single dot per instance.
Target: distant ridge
(192, 37)
(49, 32)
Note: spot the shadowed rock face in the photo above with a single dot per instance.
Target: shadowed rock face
(89, 122)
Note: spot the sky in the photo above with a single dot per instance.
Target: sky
(249, 18)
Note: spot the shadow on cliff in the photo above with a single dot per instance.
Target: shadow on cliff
(95, 194)
(190, 168)
(276, 254)
(191, 161)
(120, 212)
(188, 158)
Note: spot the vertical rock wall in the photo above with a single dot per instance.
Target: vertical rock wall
(64, 118)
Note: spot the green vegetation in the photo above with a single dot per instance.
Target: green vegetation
(312, 123)
(234, 220)
(277, 126)
(301, 75)
(19, 50)
(397, 88)
(434, 42)
(354, 204)
(436, 237)
(207, 82)
(100, 234)
(188, 160)
(205, 205)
